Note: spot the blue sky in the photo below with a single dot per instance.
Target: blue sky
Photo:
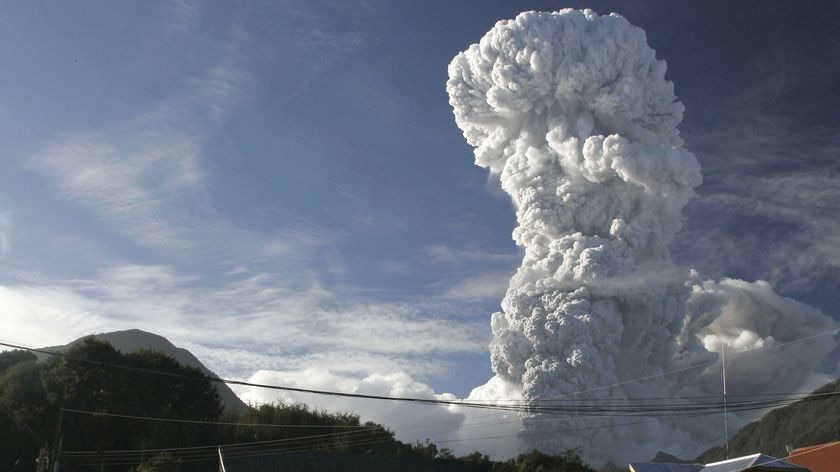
(281, 185)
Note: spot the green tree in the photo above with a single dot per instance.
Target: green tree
(567, 461)
(94, 376)
(163, 462)
(26, 418)
(428, 449)
(17, 356)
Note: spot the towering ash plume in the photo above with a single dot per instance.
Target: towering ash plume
(573, 112)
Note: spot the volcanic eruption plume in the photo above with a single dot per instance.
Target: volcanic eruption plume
(573, 112)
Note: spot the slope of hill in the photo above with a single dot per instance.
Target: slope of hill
(804, 423)
(134, 339)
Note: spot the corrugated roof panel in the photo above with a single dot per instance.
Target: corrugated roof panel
(664, 467)
(743, 463)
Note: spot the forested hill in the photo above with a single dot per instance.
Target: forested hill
(133, 340)
(97, 408)
(97, 398)
(809, 421)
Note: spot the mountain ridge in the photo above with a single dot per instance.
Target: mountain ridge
(132, 340)
(804, 423)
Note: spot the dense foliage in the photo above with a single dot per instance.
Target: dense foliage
(534, 461)
(37, 399)
(33, 393)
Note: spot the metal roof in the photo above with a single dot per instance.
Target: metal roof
(663, 467)
(756, 460)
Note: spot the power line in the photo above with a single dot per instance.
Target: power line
(213, 456)
(471, 404)
(525, 407)
(574, 409)
(213, 446)
(248, 448)
(693, 448)
(221, 423)
(237, 450)
(293, 445)
(739, 469)
(290, 441)
(243, 383)
(17, 419)
(704, 364)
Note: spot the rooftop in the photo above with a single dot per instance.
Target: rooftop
(755, 461)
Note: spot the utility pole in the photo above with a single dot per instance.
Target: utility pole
(59, 435)
(59, 438)
(725, 419)
(43, 460)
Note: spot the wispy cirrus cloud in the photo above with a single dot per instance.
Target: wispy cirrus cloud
(448, 255)
(490, 286)
(769, 158)
(471, 274)
(5, 229)
(790, 235)
(248, 322)
(146, 179)
(183, 15)
(145, 176)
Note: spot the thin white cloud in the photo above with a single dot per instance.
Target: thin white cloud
(245, 322)
(459, 429)
(481, 287)
(144, 176)
(145, 179)
(770, 190)
(274, 330)
(5, 229)
(45, 316)
(447, 255)
(804, 244)
(183, 15)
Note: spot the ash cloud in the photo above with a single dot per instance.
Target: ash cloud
(574, 114)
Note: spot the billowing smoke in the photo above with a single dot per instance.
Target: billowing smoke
(573, 112)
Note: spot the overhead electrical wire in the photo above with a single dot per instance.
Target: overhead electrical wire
(249, 450)
(208, 422)
(244, 448)
(22, 424)
(293, 444)
(419, 400)
(529, 407)
(575, 409)
(290, 445)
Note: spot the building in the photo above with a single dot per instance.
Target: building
(662, 467)
(754, 463)
(818, 458)
(283, 461)
(751, 463)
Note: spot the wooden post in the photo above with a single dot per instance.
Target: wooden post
(59, 434)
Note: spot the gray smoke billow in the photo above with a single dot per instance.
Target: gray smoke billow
(574, 114)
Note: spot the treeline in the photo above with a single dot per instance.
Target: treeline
(36, 396)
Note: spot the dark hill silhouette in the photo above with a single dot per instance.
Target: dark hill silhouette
(803, 423)
(134, 339)
(665, 458)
